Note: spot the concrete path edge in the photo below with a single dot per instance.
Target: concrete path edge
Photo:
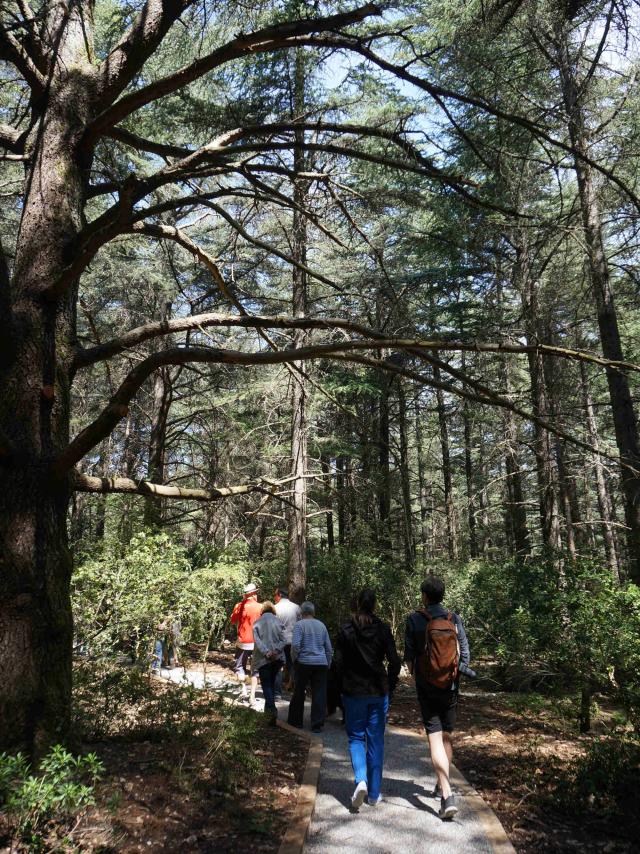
(296, 833)
(495, 832)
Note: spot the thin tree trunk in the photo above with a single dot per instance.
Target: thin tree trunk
(545, 461)
(162, 398)
(622, 408)
(405, 479)
(384, 477)
(604, 503)
(424, 509)
(447, 479)
(326, 469)
(298, 508)
(516, 510)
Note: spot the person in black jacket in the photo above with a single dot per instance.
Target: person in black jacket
(362, 646)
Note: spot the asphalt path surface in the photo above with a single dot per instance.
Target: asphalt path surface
(406, 822)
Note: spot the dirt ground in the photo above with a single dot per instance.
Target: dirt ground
(185, 795)
(518, 758)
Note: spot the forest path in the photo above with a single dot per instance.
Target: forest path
(407, 820)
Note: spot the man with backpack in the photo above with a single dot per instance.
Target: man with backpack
(435, 650)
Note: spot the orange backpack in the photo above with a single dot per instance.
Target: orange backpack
(437, 664)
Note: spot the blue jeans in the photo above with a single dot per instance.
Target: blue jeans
(158, 652)
(268, 674)
(365, 719)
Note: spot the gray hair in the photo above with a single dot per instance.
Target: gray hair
(308, 608)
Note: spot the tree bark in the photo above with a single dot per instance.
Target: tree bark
(602, 493)
(325, 465)
(517, 511)
(35, 612)
(405, 480)
(298, 507)
(447, 479)
(545, 462)
(622, 408)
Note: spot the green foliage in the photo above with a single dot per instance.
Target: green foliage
(560, 629)
(62, 786)
(119, 599)
(336, 576)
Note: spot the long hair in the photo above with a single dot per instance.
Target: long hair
(366, 606)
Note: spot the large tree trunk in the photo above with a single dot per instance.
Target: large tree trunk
(39, 336)
(298, 506)
(622, 408)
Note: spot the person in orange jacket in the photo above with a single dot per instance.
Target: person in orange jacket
(244, 615)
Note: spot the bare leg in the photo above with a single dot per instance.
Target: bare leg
(440, 758)
(254, 685)
(448, 745)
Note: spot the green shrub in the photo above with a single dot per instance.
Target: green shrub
(62, 786)
(119, 599)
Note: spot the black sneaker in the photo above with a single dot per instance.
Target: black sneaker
(448, 808)
(437, 791)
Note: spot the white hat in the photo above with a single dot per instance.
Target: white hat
(249, 588)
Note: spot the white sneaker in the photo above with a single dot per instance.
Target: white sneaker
(373, 802)
(358, 796)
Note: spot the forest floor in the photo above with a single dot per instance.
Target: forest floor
(520, 753)
(220, 780)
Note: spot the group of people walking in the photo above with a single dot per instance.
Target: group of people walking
(366, 666)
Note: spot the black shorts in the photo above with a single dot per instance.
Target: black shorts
(438, 709)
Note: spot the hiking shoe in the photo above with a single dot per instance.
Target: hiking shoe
(448, 808)
(357, 799)
(437, 792)
(373, 802)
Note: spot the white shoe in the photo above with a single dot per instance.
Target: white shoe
(358, 796)
(374, 802)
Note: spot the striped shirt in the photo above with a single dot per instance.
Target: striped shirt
(310, 643)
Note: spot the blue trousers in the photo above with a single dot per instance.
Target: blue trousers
(268, 674)
(364, 721)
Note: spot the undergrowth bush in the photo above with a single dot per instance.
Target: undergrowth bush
(120, 597)
(62, 786)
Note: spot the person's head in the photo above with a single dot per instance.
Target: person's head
(250, 591)
(308, 609)
(267, 608)
(281, 593)
(432, 590)
(365, 606)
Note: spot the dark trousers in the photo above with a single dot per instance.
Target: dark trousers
(316, 674)
(287, 670)
(268, 674)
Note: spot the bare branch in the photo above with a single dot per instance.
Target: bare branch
(107, 485)
(12, 139)
(12, 51)
(108, 349)
(137, 45)
(286, 34)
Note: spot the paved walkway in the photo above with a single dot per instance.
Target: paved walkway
(406, 822)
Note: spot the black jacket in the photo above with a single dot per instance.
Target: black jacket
(359, 657)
